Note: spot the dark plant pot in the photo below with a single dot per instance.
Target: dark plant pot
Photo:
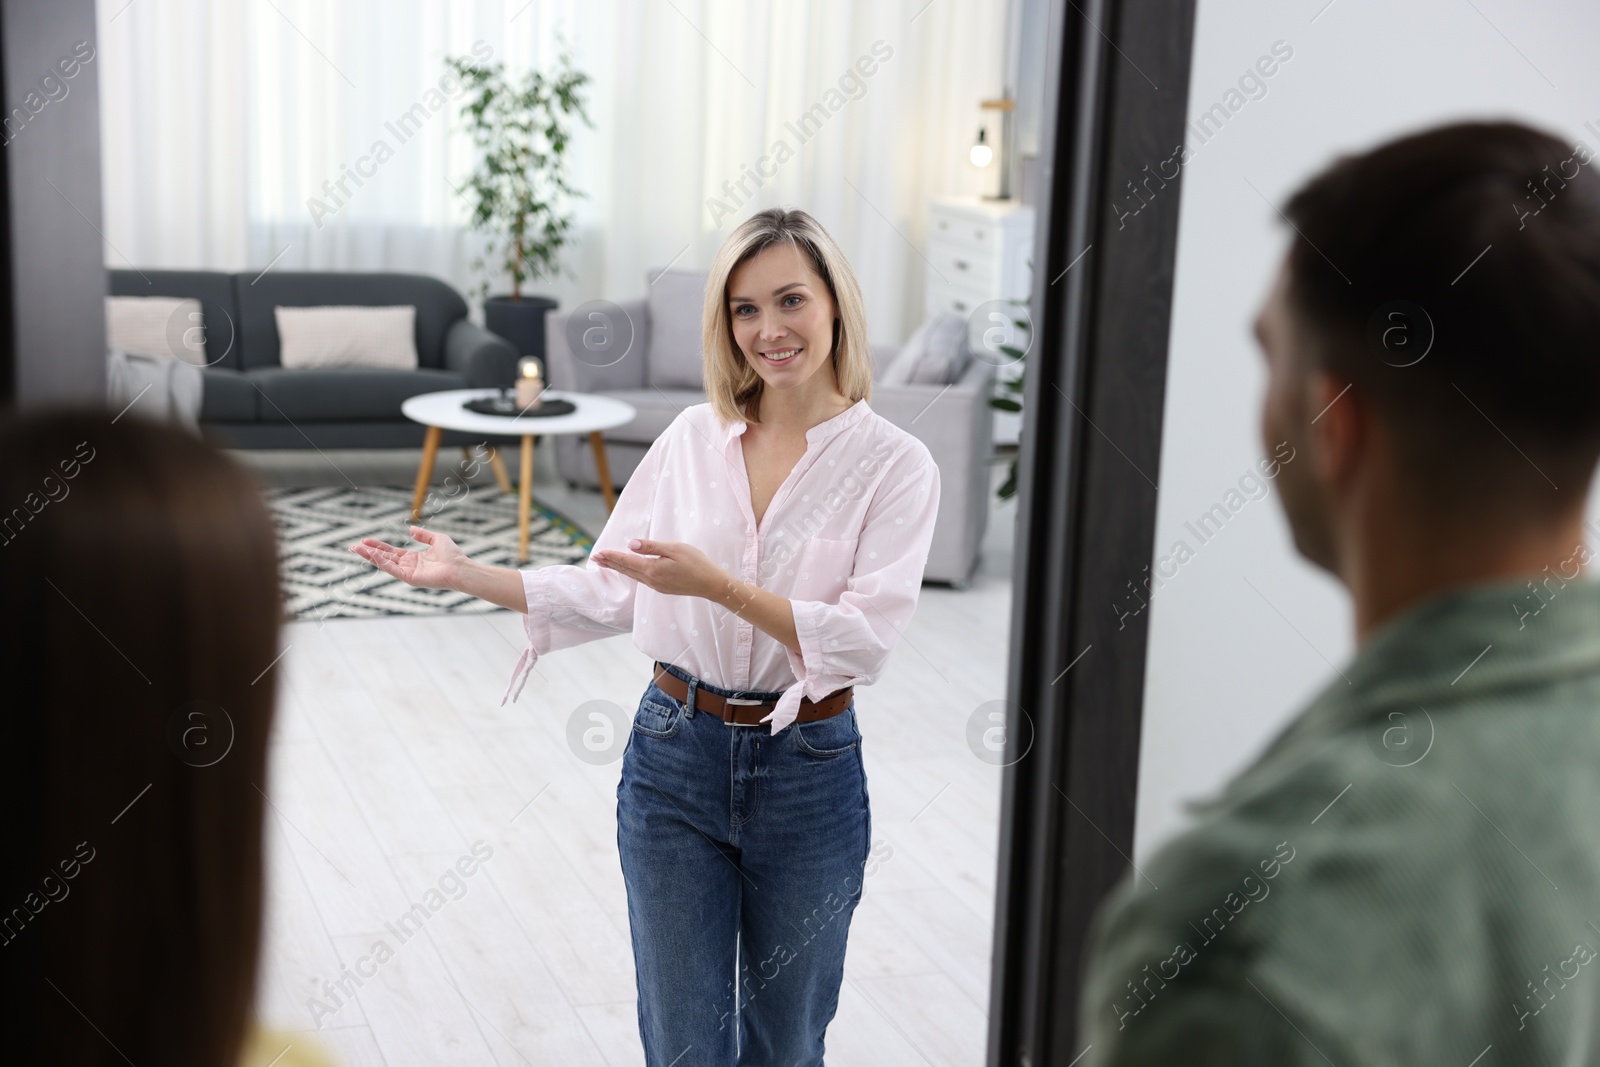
(519, 321)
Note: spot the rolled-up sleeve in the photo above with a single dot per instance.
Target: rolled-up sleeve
(848, 643)
(569, 604)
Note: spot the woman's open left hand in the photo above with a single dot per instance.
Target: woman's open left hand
(675, 568)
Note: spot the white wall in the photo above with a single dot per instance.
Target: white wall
(1226, 671)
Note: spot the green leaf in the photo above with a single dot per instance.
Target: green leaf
(517, 192)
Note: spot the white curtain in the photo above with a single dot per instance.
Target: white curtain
(226, 121)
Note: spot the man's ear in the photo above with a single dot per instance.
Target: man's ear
(1340, 432)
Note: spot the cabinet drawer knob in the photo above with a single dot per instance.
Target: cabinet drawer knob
(961, 264)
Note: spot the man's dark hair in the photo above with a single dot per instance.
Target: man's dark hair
(1479, 244)
(139, 619)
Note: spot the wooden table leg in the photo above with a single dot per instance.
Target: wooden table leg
(430, 452)
(499, 466)
(525, 497)
(604, 469)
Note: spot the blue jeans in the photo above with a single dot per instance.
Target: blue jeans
(735, 836)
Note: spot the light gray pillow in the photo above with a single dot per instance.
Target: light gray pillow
(677, 300)
(898, 372)
(945, 353)
(936, 354)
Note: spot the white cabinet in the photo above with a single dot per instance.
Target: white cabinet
(979, 251)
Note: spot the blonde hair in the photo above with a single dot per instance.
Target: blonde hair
(729, 378)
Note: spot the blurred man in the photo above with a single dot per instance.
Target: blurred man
(1411, 873)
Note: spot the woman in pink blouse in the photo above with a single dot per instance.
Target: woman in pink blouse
(767, 553)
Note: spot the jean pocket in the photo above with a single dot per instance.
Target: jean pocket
(658, 715)
(828, 738)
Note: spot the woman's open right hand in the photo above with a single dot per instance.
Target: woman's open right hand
(436, 568)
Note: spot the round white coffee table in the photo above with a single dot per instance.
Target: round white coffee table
(444, 411)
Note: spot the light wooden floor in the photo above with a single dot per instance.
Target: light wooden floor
(391, 756)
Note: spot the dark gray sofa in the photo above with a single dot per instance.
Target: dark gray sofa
(252, 402)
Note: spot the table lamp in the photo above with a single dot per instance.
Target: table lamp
(991, 153)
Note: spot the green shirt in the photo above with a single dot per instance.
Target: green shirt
(1410, 874)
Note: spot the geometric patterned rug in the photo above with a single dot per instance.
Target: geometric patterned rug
(323, 579)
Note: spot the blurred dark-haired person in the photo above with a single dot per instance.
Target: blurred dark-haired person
(139, 606)
(1410, 874)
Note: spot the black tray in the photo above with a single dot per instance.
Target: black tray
(489, 406)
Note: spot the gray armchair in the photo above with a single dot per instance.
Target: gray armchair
(660, 376)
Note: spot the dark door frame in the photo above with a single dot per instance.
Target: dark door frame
(1117, 85)
(52, 252)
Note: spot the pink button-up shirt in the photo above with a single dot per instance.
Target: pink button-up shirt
(845, 539)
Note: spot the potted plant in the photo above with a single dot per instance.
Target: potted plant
(1009, 392)
(519, 194)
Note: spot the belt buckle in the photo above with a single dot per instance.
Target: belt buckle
(741, 700)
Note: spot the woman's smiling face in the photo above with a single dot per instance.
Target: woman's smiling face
(782, 316)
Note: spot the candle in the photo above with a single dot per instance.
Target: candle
(529, 383)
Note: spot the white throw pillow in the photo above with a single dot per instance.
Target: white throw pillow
(157, 326)
(341, 336)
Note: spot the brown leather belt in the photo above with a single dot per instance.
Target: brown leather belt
(747, 711)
